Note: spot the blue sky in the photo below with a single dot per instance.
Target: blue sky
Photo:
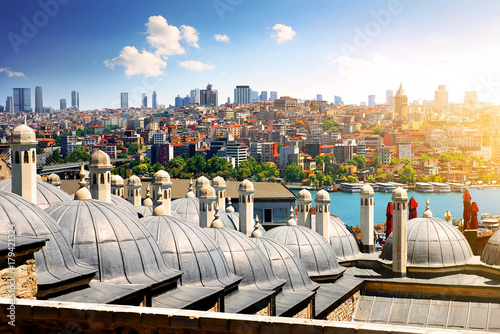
(348, 48)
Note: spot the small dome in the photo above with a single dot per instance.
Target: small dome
(123, 204)
(491, 252)
(55, 262)
(207, 191)
(367, 190)
(54, 179)
(246, 185)
(323, 196)
(100, 158)
(218, 182)
(161, 176)
(46, 193)
(201, 181)
(134, 181)
(304, 196)
(112, 241)
(316, 253)
(23, 134)
(190, 249)
(117, 181)
(188, 208)
(432, 242)
(286, 265)
(245, 259)
(399, 194)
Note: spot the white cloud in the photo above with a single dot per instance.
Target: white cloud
(164, 37)
(195, 65)
(136, 62)
(221, 38)
(283, 33)
(11, 74)
(190, 35)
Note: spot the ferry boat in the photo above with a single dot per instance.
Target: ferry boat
(457, 187)
(423, 187)
(385, 187)
(330, 188)
(397, 184)
(350, 187)
(441, 187)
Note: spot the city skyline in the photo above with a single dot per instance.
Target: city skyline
(173, 48)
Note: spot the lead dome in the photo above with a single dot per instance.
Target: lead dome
(117, 181)
(99, 158)
(491, 252)
(134, 180)
(47, 194)
(246, 185)
(161, 176)
(322, 196)
(304, 195)
(23, 133)
(367, 190)
(218, 182)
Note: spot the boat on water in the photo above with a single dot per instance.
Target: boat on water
(424, 187)
(489, 222)
(330, 188)
(350, 187)
(441, 187)
(385, 187)
(457, 187)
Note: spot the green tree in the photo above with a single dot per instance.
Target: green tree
(140, 169)
(55, 156)
(352, 179)
(394, 161)
(217, 164)
(78, 154)
(330, 124)
(196, 165)
(360, 161)
(424, 157)
(377, 162)
(328, 180)
(370, 179)
(406, 161)
(294, 173)
(132, 149)
(407, 175)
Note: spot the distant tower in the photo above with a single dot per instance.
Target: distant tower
(441, 97)
(75, 99)
(23, 155)
(9, 105)
(208, 203)
(246, 191)
(323, 213)
(367, 219)
(100, 176)
(399, 199)
(62, 104)
(124, 100)
(304, 200)
(371, 100)
(38, 99)
(389, 97)
(153, 101)
(401, 104)
(144, 100)
(134, 187)
(220, 188)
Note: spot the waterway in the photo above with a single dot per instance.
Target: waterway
(346, 205)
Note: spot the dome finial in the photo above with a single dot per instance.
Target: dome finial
(447, 216)
(217, 223)
(190, 193)
(147, 201)
(83, 192)
(291, 218)
(256, 233)
(160, 210)
(229, 207)
(427, 213)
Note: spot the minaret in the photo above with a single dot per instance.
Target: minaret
(220, 187)
(208, 202)
(200, 182)
(323, 213)
(245, 192)
(100, 176)
(161, 182)
(23, 157)
(367, 218)
(134, 187)
(304, 200)
(399, 198)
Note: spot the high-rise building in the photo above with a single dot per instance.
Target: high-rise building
(401, 104)
(471, 100)
(263, 95)
(154, 105)
(273, 95)
(38, 99)
(75, 99)
(441, 97)
(186, 101)
(62, 104)
(124, 100)
(371, 100)
(209, 96)
(178, 101)
(389, 97)
(319, 97)
(195, 95)
(144, 100)
(9, 105)
(242, 95)
(254, 96)
(337, 100)
(22, 99)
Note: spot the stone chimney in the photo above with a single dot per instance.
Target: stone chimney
(367, 218)
(399, 248)
(304, 200)
(208, 202)
(100, 176)
(161, 183)
(220, 188)
(246, 191)
(134, 189)
(323, 213)
(23, 158)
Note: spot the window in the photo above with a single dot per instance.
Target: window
(268, 215)
(17, 157)
(26, 157)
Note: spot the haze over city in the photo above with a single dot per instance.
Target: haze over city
(350, 49)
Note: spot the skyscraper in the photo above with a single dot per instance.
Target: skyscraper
(263, 95)
(124, 100)
(62, 104)
(144, 100)
(75, 99)
(242, 95)
(401, 104)
(209, 97)
(470, 99)
(153, 100)
(337, 100)
(178, 101)
(371, 100)
(389, 97)
(254, 96)
(9, 105)
(441, 97)
(319, 97)
(186, 101)
(22, 99)
(273, 95)
(195, 95)
(38, 99)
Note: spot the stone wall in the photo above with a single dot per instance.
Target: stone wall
(25, 281)
(345, 311)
